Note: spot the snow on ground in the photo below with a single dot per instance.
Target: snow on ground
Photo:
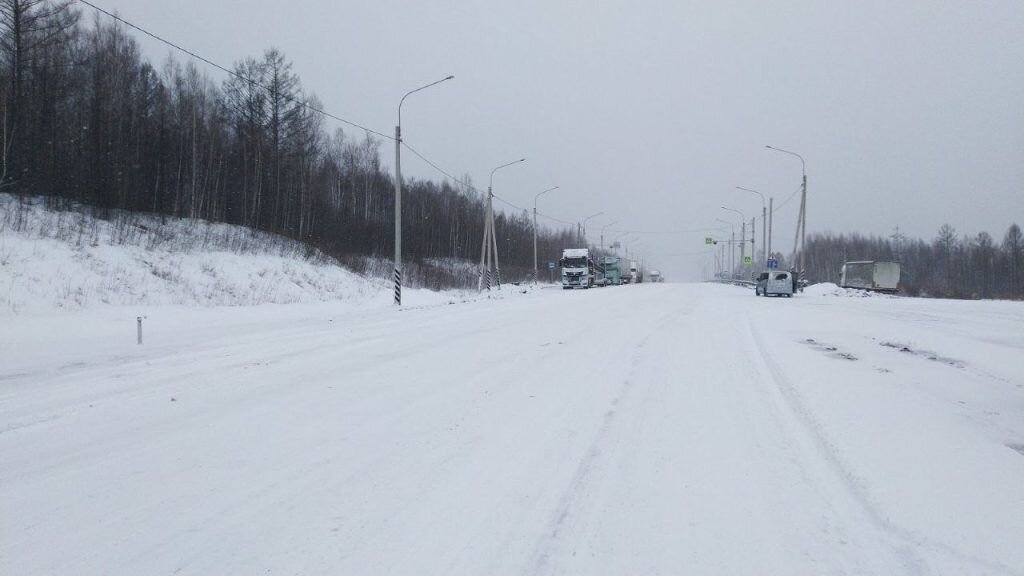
(830, 289)
(72, 261)
(649, 429)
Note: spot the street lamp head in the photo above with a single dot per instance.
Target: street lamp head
(450, 77)
(491, 182)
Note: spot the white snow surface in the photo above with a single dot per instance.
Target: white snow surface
(832, 289)
(72, 261)
(644, 429)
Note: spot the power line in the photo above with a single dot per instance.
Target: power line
(559, 220)
(232, 73)
(468, 186)
(415, 152)
(303, 104)
(791, 196)
(658, 232)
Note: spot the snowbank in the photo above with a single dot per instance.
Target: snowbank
(830, 289)
(71, 260)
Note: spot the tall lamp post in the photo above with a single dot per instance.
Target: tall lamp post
(764, 223)
(489, 251)
(616, 239)
(732, 245)
(398, 190)
(602, 232)
(539, 194)
(743, 233)
(584, 225)
(801, 226)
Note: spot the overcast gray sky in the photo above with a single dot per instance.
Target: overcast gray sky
(909, 113)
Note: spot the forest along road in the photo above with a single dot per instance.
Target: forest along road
(649, 429)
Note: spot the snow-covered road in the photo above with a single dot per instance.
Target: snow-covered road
(651, 429)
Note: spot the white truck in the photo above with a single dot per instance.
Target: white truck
(577, 268)
(656, 276)
(870, 275)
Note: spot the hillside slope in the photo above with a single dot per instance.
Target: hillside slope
(61, 260)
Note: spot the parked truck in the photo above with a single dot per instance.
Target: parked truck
(577, 268)
(611, 272)
(656, 276)
(870, 275)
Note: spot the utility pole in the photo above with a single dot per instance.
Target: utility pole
(743, 244)
(535, 231)
(398, 191)
(743, 232)
(764, 220)
(602, 232)
(584, 237)
(801, 227)
(489, 250)
(732, 255)
(753, 235)
(771, 216)
(764, 235)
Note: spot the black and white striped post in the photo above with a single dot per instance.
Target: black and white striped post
(398, 287)
(398, 209)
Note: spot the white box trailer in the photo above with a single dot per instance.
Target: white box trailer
(871, 275)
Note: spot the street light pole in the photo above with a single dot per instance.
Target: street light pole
(764, 224)
(398, 190)
(732, 245)
(584, 226)
(489, 251)
(743, 232)
(616, 239)
(535, 230)
(801, 228)
(602, 232)
(604, 270)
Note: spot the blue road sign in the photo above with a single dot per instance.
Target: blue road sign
(551, 266)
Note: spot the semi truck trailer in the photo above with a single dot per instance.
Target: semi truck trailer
(870, 275)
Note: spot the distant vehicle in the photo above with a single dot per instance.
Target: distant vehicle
(610, 270)
(774, 283)
(656, 276)
(870, 275)
(634, 272)
(577, 268)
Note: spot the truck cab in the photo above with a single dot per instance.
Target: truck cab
(577, 268)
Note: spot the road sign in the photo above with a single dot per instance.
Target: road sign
(772, 264)
(708, 240)
(747, 260)
(551, 266)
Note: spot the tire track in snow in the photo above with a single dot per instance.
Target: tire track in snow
(577, 486)
(902, 542)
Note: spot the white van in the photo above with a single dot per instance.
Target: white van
(774, 282)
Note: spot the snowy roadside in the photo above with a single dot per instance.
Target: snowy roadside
(69, 260)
